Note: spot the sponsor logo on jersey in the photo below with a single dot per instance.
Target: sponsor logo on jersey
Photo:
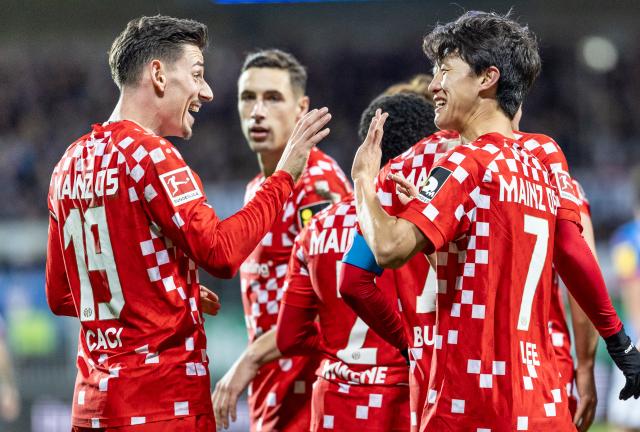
(180, 186)
(305, 213)
(434, 183)
(566, 187)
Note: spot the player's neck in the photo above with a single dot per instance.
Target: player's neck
(268, 162)
(129, 108)
(485, 121)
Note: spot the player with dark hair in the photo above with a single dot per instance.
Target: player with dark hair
(129, 225)
(271, 99)
(362, 381)
(491, 203)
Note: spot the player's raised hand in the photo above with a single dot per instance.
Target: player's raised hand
(405, 189)
(307, 133)
(209, 300)
(228, 389)
(627, 357)
(366, 162)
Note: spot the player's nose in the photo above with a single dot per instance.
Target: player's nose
(206, 94)
(259, 110)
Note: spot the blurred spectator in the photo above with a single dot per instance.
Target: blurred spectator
(9, 398)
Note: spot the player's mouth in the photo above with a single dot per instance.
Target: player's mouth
(439, 103)
(258, 133)
(193, 107)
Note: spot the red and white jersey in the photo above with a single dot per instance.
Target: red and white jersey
(127, 216)
(278, 389)
(416, 282)
(492, 203)
(558, 327)
(354, 355)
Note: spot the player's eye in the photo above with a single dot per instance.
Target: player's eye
(245, 97)
(273, 97)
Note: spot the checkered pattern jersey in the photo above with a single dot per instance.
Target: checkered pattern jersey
(277, 391)
(355, 356)
(558, 327)
(416, 283)
(125, 238)
(495, 208)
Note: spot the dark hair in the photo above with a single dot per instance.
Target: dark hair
(411, 118)
(148, 38)
(487, 39)
(277, 59)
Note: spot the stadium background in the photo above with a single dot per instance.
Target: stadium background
(55, 82)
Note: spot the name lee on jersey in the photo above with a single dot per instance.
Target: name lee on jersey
(83, 186)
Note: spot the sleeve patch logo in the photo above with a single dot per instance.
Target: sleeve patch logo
(306, 213)
(434, 183)
(180, 186)
(566, 188)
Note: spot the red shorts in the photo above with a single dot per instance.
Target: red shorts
(199, 423)
(344, 407)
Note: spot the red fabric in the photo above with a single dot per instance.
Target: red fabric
(129, 226)
(201, 423)
(492, 308)
(360, 292)
(262, 278)
(579, 270)
(370, 408)
(298, 334)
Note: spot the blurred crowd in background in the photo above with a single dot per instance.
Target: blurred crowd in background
(55, 82)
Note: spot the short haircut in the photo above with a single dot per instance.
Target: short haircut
(484, 39)
(147, 38)
(418, 84)
(278, 59)
(411, 118)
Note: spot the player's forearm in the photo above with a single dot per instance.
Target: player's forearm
(57, 290)
(584, 334)
(297, 331)
(389, 237)
(237, 236)
(359, 291)
(579, 270)
(263, 349)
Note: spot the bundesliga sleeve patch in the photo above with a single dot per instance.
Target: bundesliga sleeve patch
(434, 183)
(305, 213)
(180, 186)
(566, 188)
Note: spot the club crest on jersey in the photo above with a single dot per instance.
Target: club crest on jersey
(180, 186)
(434, 183)
(305, 213)
(566, 187)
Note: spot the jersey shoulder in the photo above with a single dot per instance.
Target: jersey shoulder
(341, 214)
(439, 142)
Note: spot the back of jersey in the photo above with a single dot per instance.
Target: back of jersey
(118, 200)
(356, 355)
(492, 201)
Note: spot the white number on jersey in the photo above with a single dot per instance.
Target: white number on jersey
(540, 228)
(97, 257)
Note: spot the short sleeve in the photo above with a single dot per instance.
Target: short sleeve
(449, 195)
(298, 288)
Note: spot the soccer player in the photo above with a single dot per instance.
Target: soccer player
(271, 98)
(129, 225)
(362, 380)
(486, 195)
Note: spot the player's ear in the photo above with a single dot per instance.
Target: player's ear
(303, 107)
(158, 75)
(489, 79)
